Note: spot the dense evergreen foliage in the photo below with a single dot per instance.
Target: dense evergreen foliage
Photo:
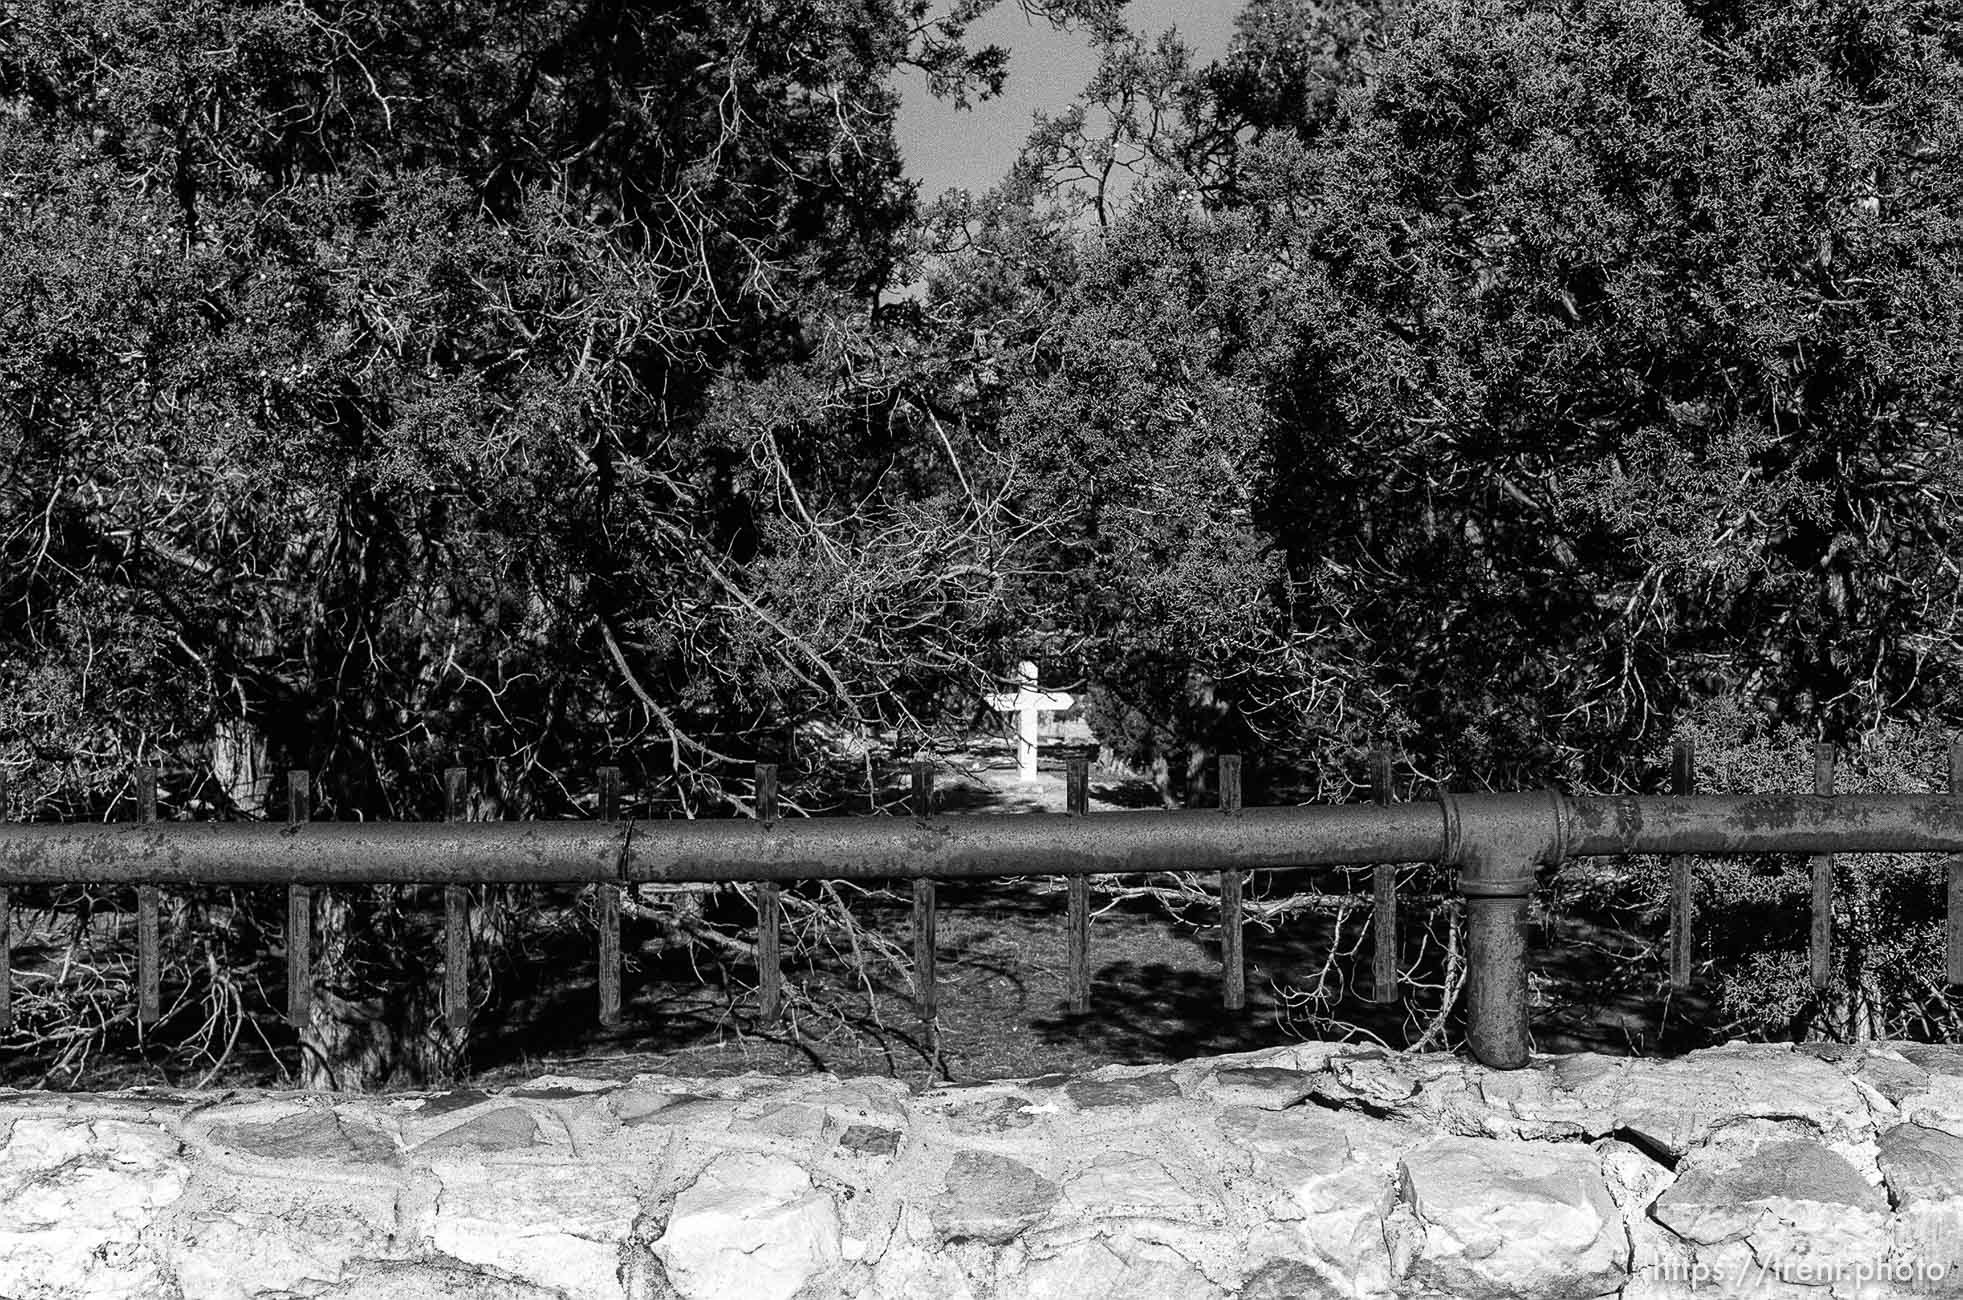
(1586, 361)
(389, 386)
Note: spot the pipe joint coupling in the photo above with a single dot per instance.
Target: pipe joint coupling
(1498, 841)
(1495, 886)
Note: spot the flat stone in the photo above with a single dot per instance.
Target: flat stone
(1124, 1184)
(1579, 1071)
(310, 1135)
(1138, 1090)
(508, 1128)
(1634, 1180)
(1941, 1107)
(1266, 1086)
(1265, 1076)
(272, 1236)
(58, 1172)
(560, 1225)
(1634, 1176)
(76, 1199)
(990, 1198)
(1936, 1058)
(431, 1281)
(995, 1115)
(1895, 1080)
(635, 1108)
(908, 1270)
(1292, 1145)
(750, 1226)
(1789, 1198)
(784, 1119)
(1371, 1082)
(1505, 1219)
(1139, 1271)
(1929, 1234)
(560, 1092)
(1675, 1105)
(1310, 1173)
(442, 1103)
(865, 1098)
(1921, 1164)
(134, 1104)
(867, 1140)
(1798, 1170)
(1288, 1279)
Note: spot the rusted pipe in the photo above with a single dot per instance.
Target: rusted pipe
(319, 853)
(1497, 841)
(964, 847)
(854, 848)
(1780, 823)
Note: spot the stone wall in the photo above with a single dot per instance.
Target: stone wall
(1312, 1171)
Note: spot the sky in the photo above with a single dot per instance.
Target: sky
(945, 147)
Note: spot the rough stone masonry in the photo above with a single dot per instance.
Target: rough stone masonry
(1311, 1171)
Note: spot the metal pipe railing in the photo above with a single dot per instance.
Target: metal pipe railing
(1759, 823)
(962, 847)
(1496, 841)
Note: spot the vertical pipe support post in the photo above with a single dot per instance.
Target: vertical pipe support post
(1233, 955)
(1077, 802)
(1683, 781)
(1383, 887)
(607, 894)
(926, 998)
(1821, 945)
(6, 961)
(149, 1004)
(6, 942)
(1497, 842)
(456, 917)
(770, 911)
(1955, 944)
(299, 913)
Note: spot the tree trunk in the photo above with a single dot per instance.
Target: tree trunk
(240, 765)
(377, 1018)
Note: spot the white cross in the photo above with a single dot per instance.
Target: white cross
(1027, 702)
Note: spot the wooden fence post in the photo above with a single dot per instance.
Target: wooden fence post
(1233, 956)
(770, 967)
(926, 993)
(1383, 882)
(149, 1005)
(1077, 802)
(1683, 781)
(1955, 945)
(299, 913)
(1822, 938)
(456, 916)
(6, 942)
(608, 896)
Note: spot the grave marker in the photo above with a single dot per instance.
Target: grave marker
(1027, 702)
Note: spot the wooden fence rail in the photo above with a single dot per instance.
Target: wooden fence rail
(1497, 842)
